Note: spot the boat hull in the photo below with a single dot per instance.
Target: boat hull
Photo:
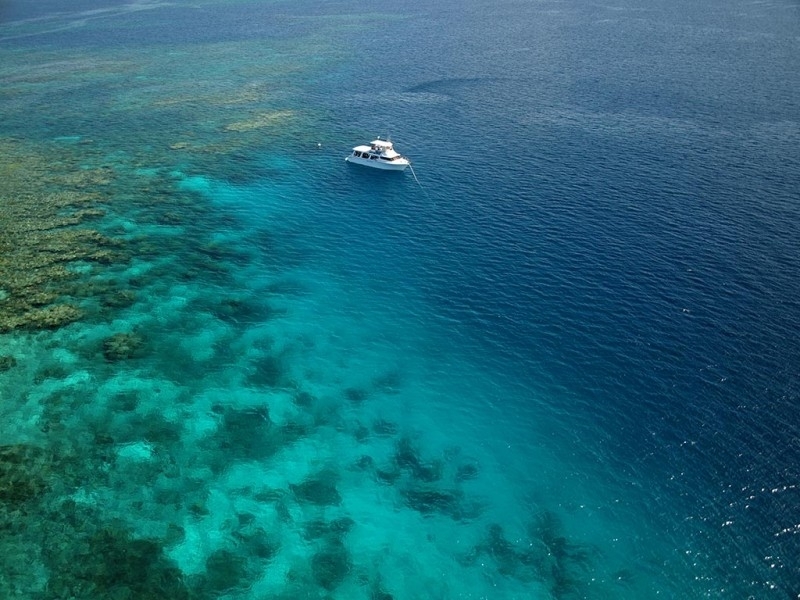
(395, 165)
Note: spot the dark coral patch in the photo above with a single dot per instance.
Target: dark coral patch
(428, 500)
(124, 401)
(170, 218)
(121, 346)
(51, 370)
(331, 565)
(118, 299)
(328, 529)
(320, 489)
(364, 462)
(450, 502)
(466, 472)
(257, 542)
(570, 560)
(546, 556)
(304, 399)
(24, 473)
(356, 395)
(243, 310)
(383, 427)
(112, 564)
(7, 362)
(388, 476)
(225, 571)
(407, 457)
(361, 433)
(388, 383)
(248, 433)
(267, 371)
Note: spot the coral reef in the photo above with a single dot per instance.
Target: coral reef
(118, 299)
(569, 560)
(242, 310)
(44, 203)
(110, 563)
(24, 472)
(50, 317)
(426, 486)
(529, 563)
(547, 556)
(121, 346)
(68, 550)
(260, 121)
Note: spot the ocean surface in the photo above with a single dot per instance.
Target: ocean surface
(560, 359)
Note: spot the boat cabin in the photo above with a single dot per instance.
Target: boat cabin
(380, 154)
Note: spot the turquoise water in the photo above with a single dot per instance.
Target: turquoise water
(561, 365)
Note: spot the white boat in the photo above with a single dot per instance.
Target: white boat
(380, 154)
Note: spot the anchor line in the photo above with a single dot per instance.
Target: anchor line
(417, 180)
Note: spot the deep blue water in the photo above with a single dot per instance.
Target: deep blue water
(591, 292)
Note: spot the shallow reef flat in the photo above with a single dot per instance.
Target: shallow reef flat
(204, 107)
(49, 206)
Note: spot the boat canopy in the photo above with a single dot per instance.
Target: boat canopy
(379, 147)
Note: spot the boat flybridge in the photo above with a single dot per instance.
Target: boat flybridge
(380, 154)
